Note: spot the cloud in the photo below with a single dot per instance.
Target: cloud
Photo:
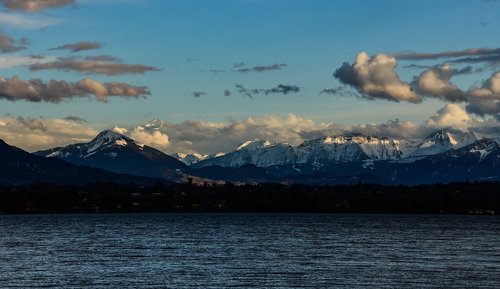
(491, 56)
(32, 123)
(35, 90)
(21, 60)
(153, 138)
(57, 132)
(7, 44)
(446, 54)
(75, 119)
(485, 100)
(239, 67)
(281, 88)
(21, 21)
(198, 93)
(79, 46)
(105, 58)
(212, 137)
(375, 77)
(452, 115)
(34, 5)
(435, 82)
(100, 67)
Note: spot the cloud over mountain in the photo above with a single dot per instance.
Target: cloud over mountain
(34, 133)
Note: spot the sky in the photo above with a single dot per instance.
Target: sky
(216, 73)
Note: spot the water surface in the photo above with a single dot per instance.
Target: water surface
(249, 250)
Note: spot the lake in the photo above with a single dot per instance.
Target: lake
(249, 251)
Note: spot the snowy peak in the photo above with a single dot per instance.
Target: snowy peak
(443, 140)
(190, 159)
(107, 138)
(154, 124)
(253, 144)
(347, 148)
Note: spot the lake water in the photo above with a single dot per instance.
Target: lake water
(249, 251)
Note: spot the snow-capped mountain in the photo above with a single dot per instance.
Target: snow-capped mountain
(341, 149)
(444, 140)
(115, 152)
(346, 148)
(19, 167)
(260, 153)
(190, 159)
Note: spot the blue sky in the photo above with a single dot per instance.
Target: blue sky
(196, 44)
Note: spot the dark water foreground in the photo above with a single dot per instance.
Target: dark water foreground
(249, 250)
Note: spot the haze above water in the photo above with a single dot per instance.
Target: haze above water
(249, 250)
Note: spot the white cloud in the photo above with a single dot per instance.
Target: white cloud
(435, 82)
(452, 115)
(154, 138)
(22, 60)
(375, 77)
(27, 22)
(485, 100)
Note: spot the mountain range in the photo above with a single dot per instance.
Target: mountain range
(446, 155)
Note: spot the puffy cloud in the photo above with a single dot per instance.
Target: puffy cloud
(486, 99)
(154, 138)
(7, 44)
(106, 67)
(35, 90)
(120, 130)
(375, 77)
(79, 46)
(239, 67)
(452, 115)
(24, 133)
(34, 5)
(435, 82)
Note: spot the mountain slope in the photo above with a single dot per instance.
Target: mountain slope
(112, 151)
(18, 167)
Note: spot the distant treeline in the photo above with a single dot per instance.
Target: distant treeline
(454, 198)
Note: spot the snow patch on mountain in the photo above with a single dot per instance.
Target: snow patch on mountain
(190, 159)
(444, 140)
